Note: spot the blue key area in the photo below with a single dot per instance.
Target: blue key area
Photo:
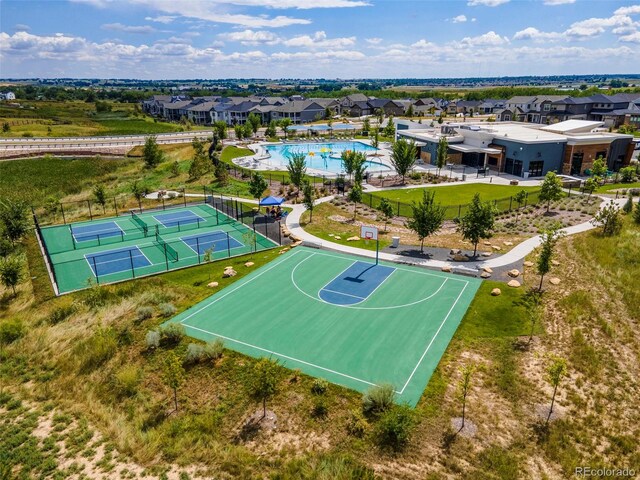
(84, 233)
(218, 240)
(355, 284)
(173, 219)
(116, 261)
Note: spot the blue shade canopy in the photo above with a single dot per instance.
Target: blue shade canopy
(271, 201)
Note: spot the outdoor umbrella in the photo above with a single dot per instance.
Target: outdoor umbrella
(268, 201)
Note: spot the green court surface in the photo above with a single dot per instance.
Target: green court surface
(339, 317)
(120, 248)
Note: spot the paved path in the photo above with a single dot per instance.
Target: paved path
(517, 253)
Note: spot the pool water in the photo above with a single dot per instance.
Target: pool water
(321, 156)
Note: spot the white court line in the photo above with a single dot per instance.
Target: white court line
(325, 285)
(188, 218)
(341, 293)
(107, 252)
(355, 296)
(433, 339)
(282, 355)
(93, 233)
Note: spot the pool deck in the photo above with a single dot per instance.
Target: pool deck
(258, 162)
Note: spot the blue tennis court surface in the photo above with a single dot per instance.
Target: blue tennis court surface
(84, 233)
(219, 240)
(116, 261)
(174, 219)
(355, 284)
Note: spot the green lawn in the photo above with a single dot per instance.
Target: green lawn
(456, 194)
(615, 186)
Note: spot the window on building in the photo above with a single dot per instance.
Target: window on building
(547, 107)
(536, 168)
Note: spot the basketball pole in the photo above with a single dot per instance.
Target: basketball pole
(377, 248)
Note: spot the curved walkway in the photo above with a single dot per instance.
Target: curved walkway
(517, 253)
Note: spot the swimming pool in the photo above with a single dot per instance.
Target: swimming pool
(321, 156)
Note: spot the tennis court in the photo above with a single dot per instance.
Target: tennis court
(138, 244)
(339, 317)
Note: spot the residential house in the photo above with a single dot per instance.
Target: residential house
(389, 107)
(7, 96)
(299, 111)
(349, 101)
(490, 105)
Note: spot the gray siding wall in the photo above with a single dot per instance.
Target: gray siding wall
(550, 153)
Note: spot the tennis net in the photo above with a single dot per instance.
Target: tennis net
(168, 250)
(141, 224)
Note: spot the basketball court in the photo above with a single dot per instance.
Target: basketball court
(350, 320)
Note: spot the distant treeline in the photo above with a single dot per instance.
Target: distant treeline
(127, 95)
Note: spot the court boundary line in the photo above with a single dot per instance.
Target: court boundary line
(122, 232)
(182, 239)
(95, 274)
(348, 295)
(182, 322)
(340, 293)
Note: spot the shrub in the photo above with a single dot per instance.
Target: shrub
(357, 425)
(152, 339)
(11, 330)
(172, 334)
(126, 380)
(378, 399)
(167, 309)
(143, 313)
(395, 426)
(320, 407)
(198, 353)
(319, 386)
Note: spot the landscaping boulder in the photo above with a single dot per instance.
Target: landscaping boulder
(212, 284)
(460, 258)
(554, 281)
(286, 233)
(229, 272)
(446, 268)
(507, 244)
(337, 237)
(488, 244)
(249, 264)
(555, 263)
(487, 269)
(528, 264)
(455, 251)
(353, 239)
(497, 248)
(486, 254)
(515, 273)
(514, 284)
(496, 292)
(485, 275)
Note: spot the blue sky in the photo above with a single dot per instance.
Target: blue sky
(176, 39)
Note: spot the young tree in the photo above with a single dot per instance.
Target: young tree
(200, 163)
(138, 190)
(379, 113)
(359, 166)
(628, 206)
(590, 185)
(239, 131)
(6, 128)
(556, 370)
(307, 191)
(464, 385)
(386, 209)
(220, 126)
(599, 168)
(175, 169)
(257, 185)
(410, 111)
(221, 174)
(427, 217)
(271, 132)
(247, 130)
(285, 123)
(100, 195)
(403, 157)
(478, 222)
(327, 113)
(355, 196)
(375, 142)
(263, 381)
(173, 374)
(520, 198)
(366, 126)
(551, 189)
(10, 272)
(249, 238)
(390, 129)
(348, 159)
(254, 120)
(151, 152)
(297, 168)
(441, 153)
(548, 241)
(609, 219)
(14, 220)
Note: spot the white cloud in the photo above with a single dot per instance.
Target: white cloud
(592, 27)
(631, 10)
(299, 4)
(21, 27)
(161, 19)
(119, 27)
(459, 19)
(486, 3)
(532, 33)
(251, 37)
(489, 39)
(319, 40)
(631, 38)
(554, 3)
(374, 41)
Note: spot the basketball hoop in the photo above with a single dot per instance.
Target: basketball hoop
(370, 233)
